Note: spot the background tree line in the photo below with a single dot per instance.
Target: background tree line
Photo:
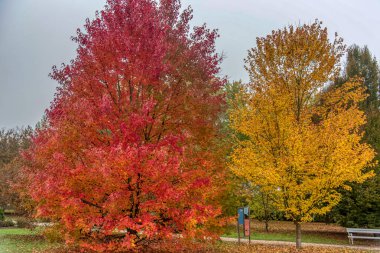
(12, 141)
(359, 207)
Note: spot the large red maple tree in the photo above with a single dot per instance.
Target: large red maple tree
(128, 151)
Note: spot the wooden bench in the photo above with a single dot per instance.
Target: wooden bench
(362, 233)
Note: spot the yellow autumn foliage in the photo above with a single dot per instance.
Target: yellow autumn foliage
(301, 141)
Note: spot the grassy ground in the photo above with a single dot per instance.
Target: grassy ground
(308, 237)
(311, 233)
(20, 240)
(287, 226)
(16, 240)
(235, 248)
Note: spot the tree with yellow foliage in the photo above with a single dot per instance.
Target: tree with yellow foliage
(302, 142)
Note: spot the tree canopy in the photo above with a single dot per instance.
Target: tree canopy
(127, 152)
(302, 143)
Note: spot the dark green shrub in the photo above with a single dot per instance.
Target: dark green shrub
(2, 217)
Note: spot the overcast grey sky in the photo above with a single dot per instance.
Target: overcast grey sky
(35, 35)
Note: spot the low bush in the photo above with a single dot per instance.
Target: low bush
(9, 212)
(53, 234)
(6, 223)
(2, 217)
(23, 222)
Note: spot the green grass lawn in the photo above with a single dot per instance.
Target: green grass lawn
(20, 240)
(285, 231)
(290, 237)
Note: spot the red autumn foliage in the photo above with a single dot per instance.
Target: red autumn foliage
(128, 153)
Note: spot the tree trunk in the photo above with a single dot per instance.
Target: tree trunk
(267, 226)
(298, 234)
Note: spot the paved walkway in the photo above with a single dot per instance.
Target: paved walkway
(374, 249)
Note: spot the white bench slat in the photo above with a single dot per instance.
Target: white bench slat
(362, 234)
(365, 237)
(363, 230)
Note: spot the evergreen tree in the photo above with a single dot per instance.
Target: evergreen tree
(360, 207)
